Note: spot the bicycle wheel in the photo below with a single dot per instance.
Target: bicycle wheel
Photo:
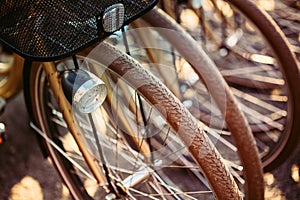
(132, 138)
(256, 60)
(173, 67)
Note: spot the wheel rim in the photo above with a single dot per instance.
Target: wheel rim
(251, 68)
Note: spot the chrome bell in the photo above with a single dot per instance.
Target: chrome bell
(83, 89)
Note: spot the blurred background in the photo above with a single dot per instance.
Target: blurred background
(25, 174)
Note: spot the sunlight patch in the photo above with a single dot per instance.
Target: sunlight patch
(295, 173)
(28, 188)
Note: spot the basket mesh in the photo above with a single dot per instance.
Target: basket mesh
(45, 29)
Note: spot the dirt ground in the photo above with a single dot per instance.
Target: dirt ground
(25, 174)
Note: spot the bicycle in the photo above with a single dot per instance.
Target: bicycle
(66, 118)
(257, 62)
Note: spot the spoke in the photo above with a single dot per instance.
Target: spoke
(57, 116)
(100, 151)
(246, 70)
(59, 122)
(276, 112)
(258, 117)
(181, 167)
(186, 194)
(134, 179)
(258, 58)
(125, 152)
(175, 191)
(234, 38)
(77, 156)
(270, 97)
(234, 172)
(183, 161)
(277, 82)
(262, 147)
(218, 137)
(62, 152)
(143, 194)
(165, 185)
(158, 190)
(234, 165)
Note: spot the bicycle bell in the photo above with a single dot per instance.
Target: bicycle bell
(83, 89)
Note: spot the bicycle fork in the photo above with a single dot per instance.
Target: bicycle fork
(100, 172)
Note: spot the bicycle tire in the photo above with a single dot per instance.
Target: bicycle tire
(151, 89)
(260, 92)
(290, 70)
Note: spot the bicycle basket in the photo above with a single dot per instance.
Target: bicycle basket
(52, 29)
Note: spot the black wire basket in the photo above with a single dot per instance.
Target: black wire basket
(53, 29)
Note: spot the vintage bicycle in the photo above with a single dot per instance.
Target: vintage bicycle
(112, 129)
